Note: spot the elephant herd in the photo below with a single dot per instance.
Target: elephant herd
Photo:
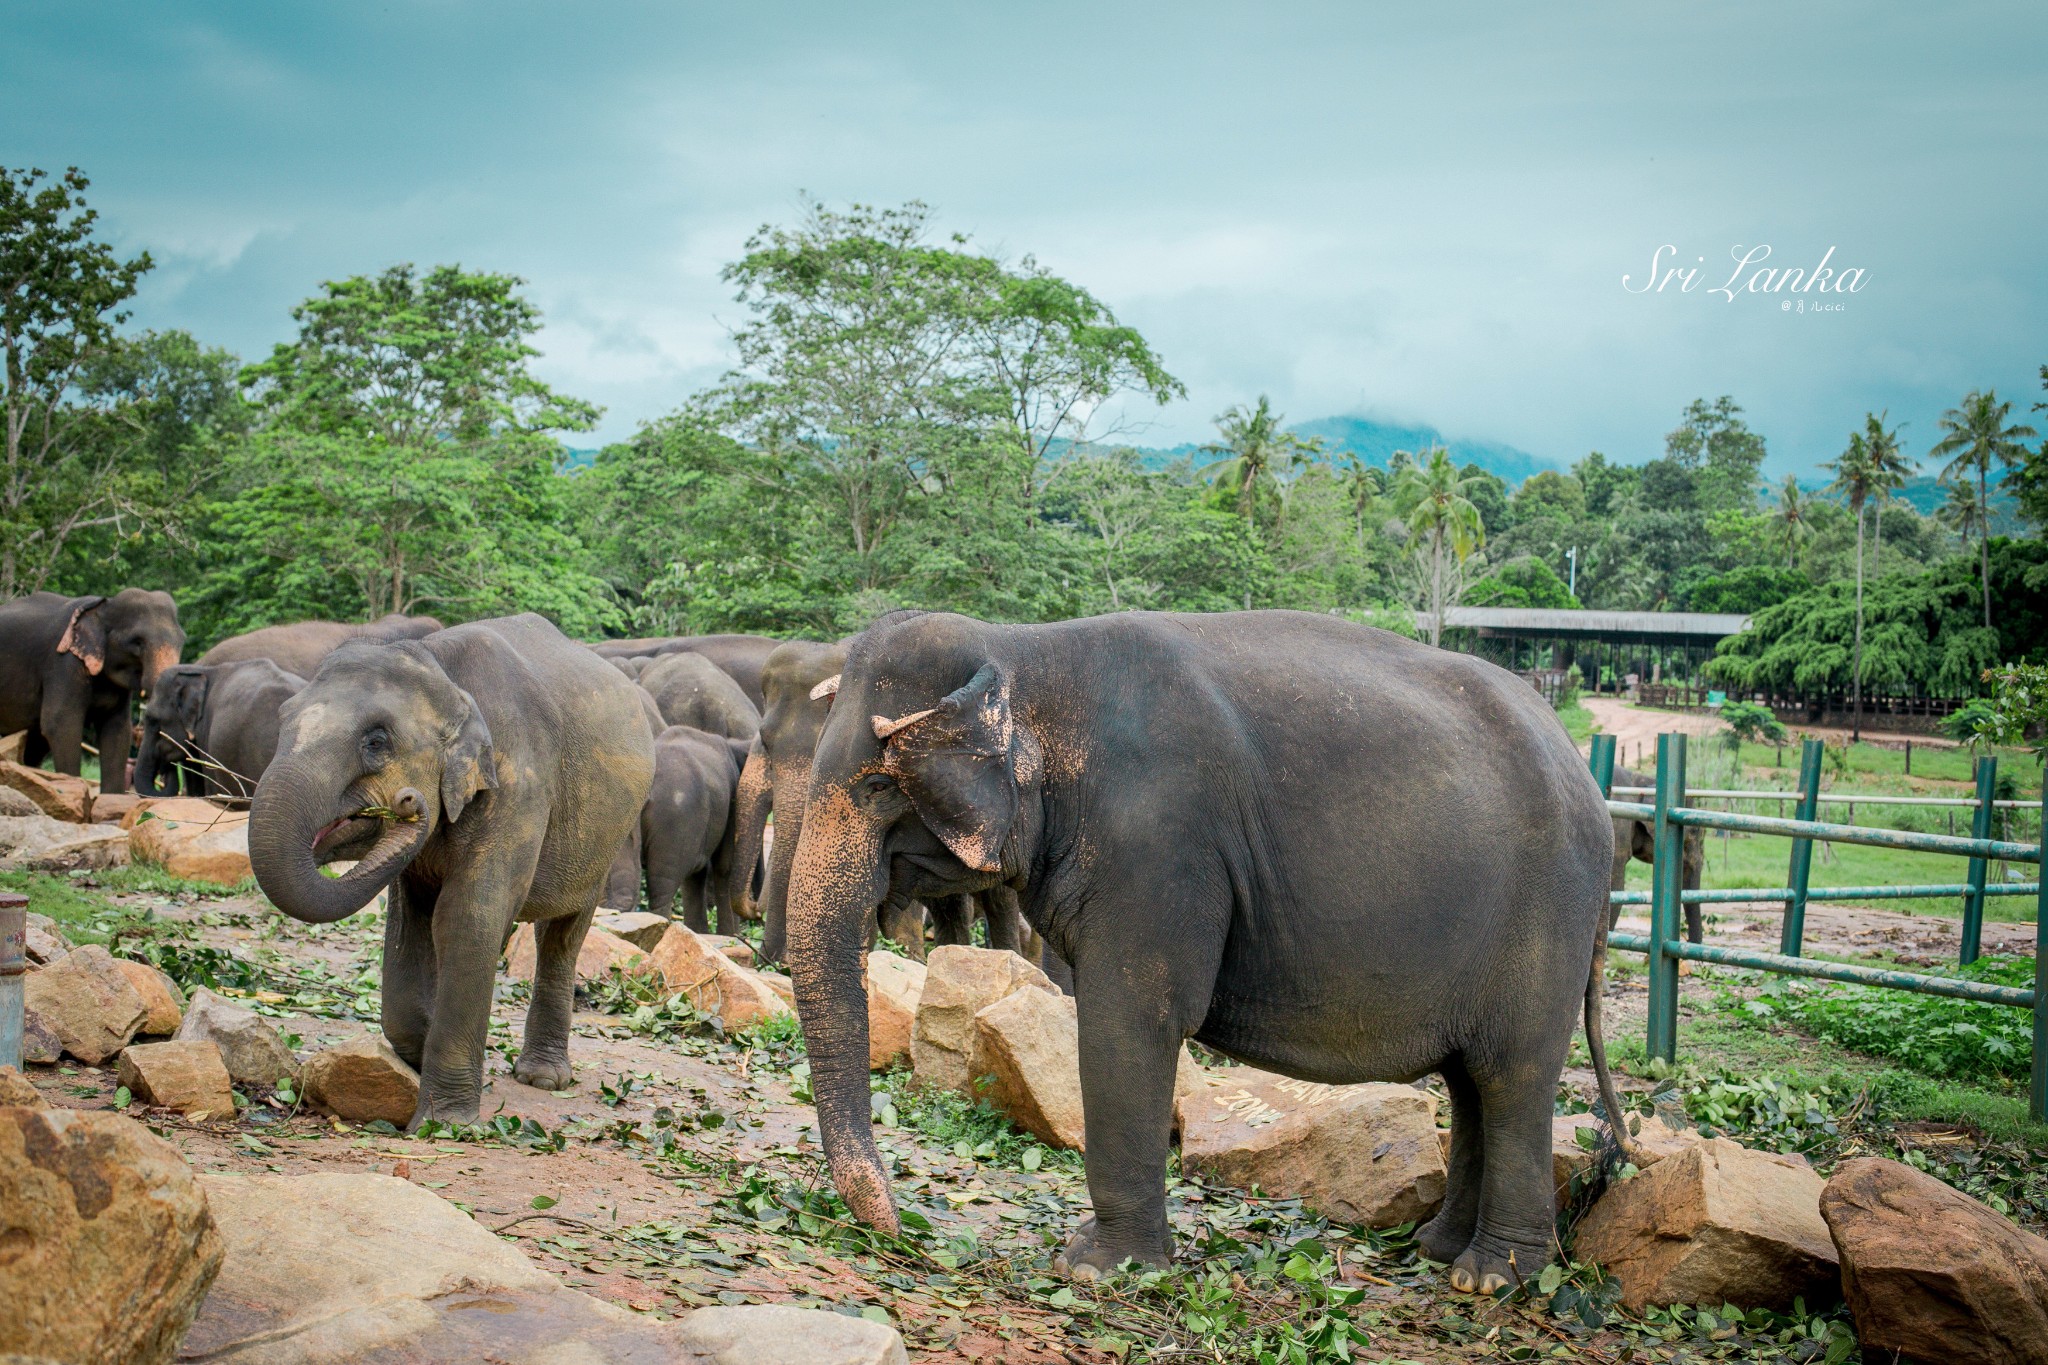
(1310, 846)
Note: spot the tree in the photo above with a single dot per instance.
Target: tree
(2027, 480)
(1254, 453)
(1524, 581)
(1713, 442)
(1432, 495)
(61, 292)
(1855, 476)
(1363, 487)
(1975, 433)
(1790, 518)
(1889, 470)
(1961, 512)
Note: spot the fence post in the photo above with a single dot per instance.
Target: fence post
(1793, 933)
(2037, 1091)
(1601, 761)
(13, 962)
(1980, 828)
(1667, 878)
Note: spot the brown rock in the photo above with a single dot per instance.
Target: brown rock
(166, 1003)
(638, 927)
(1932, 1274)
(895, 985)
(1653, 1141)
(178, 809)
(959, 983)
(46, 942)
(206, 847)
(108, 1247)
(38, 843)
(601, 951)
(12, 746)
(1031, 1045)
(85, 1001)
(738, 949)
(17, 1093)
(249, 1045)
(14, 805)
(1717, 1223)
(57, 795)
(779, 1334)
(38, 1043)
(362, 1080)
(115, 809)
(713, 982)
(1356, 1153)
(779, 982)
(187, 1077)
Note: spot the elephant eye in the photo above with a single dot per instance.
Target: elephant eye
(874, 784)
(376, 743)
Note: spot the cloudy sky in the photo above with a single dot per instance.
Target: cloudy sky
(1422, 213)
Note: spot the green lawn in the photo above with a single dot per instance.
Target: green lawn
(1739, 860)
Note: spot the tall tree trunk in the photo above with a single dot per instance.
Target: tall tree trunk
(1856, 664)
(1436, 590)
(1984, 539)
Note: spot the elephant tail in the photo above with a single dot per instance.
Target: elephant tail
(1596, 1042)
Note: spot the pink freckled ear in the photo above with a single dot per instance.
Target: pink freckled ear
(884, 727)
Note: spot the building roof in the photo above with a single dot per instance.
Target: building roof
(1699, 627)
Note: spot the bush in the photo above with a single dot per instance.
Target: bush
(1934, 1035)
(1965, 722)
(1752, 723)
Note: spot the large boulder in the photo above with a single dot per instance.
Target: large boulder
(187, 1077)
(249, 1045)
(210, 846)
(691, 964)
(46, 942)
(39, 843)
(640, 928)
(1649, 1144)
(54, 794)
(1716, 1223)
(159, 993)
(107, 1246)
(16, 1091)
(362, 1080)
(1930, 1273)
(601, 951)
(959, 983)
(115, 809)
(86, 1002)
(1355, 1153)
(177, 809)
(1031, 1046)
(324, 1269)
(895, 985)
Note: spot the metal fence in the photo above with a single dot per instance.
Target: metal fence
(1664, 946)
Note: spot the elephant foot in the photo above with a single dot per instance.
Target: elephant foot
(543, 1072)
(459, 1113)
(1486, 1267)
(1443, 1239)
(1091, 1254)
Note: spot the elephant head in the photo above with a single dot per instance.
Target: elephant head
(128, 639)
(776, 774)
(170, 727)
(910, 780)
(373, 756)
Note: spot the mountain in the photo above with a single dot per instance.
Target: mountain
(1375, 442)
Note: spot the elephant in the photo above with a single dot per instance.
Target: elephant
(1231, 826)
(486, 774)
(73, 665)
(300, 646)
(686, 827)
(740, 656)
(216, 722)
(691, 690)
(776, 775)
(1635, 839)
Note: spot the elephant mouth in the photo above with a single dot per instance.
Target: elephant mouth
(345, 833)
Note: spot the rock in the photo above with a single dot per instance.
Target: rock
(638, 927)
(46, 942)
(165, 1002)
(108, 1247)
(1355, 1153)
(323, 1269)
(362, 1080)
(1651, 1143)
(959, 983)
(777, 1334)
(601, 951)
(1031, 1046)
(38, 843)
(1716, 1223)
(85, 1001)
(738, 949)
(114, 809)
(177, 809)
(12, 746)
(38, 1043)
(211, 847)
(57, 795)
(714, 983)
(1932, 1274)
(895, 985)
(187, 1077)
(17, 1093)
(249, 1045)
(14, 805)
(779, 982)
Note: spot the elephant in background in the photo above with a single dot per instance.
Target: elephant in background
(686, 828)
(73, 666)
(741, 657)
(215, 723)
(300, 646)
(1232, 827)
(690, 690)
(1635, 839)
(486, 774)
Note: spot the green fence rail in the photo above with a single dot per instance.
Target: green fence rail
(1664, 946)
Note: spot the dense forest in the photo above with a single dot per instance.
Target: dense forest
(910, 421)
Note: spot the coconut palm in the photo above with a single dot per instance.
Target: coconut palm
(1792, 525)
(1977, 434)
(1889, 470)
(1855, 477)
(1362, 485)
(1962, 513)
(1432, 496)
(1253, 450)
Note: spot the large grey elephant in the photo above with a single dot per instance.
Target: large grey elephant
(486, 774)
(73, 667)
(299, 646)
(740, 656)
(689, 689)
(1635, 839)
(1232, 827)
(214, 724)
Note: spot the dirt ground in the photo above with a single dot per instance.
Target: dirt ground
(1635, 730)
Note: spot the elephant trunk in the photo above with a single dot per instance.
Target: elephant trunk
(792, 781)
(151, 770)
(838, 879)
(750, 806)
(294, 808)
(155, 661)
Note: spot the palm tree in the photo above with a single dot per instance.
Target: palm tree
(1977, 435)
(1253, 449)
(1362, 485)
(1432, 495)
(1791, 517)
(1889, 470)
(1962, 513)
(1854, 479)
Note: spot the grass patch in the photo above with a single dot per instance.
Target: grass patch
(1933, 1035)
(73, 909)
(1578, 722)
(1734, 861)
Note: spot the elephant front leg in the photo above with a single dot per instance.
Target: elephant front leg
(544, 1060)
(471, 913)
(409, 971)
(116, 739)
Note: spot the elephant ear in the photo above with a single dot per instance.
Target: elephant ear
(189, 687)
(85, 635)
(470, 765)
(956, 762)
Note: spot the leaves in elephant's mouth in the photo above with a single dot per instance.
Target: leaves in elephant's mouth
(386, 813)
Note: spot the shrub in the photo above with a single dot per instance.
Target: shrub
(1751, 722)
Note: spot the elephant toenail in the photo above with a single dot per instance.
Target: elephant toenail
(1461, 1280)
(1493, 1284)
(1086, 1273)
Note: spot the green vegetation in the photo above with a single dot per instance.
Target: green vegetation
(1933, 1035)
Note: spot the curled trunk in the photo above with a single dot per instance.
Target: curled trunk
(293, 811)
(156, 773)
(750, 806)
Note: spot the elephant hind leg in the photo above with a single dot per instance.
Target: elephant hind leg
(1515, 1232)
(1445, 1237)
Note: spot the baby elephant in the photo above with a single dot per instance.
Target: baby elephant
(686, 834)
(217, 723)
(486, 774)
